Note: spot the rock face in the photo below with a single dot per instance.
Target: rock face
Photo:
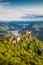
(18, 38)
(12, 38)
(27, 34)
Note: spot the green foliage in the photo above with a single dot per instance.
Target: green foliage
(28, 52)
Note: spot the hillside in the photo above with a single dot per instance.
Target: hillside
(24, 52)
(36, 28)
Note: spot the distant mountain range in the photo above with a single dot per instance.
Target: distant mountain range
(36, 28)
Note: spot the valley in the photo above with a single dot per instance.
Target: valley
(11, 27)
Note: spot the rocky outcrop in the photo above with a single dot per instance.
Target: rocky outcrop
(15, 39)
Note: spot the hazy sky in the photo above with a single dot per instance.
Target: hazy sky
(25, 10)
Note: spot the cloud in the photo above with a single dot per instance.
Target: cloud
(5, 4)
(32, 16)
(19, 13)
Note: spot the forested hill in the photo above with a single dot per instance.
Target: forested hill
(24, 52)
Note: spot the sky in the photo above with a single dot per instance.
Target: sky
(21, 10)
